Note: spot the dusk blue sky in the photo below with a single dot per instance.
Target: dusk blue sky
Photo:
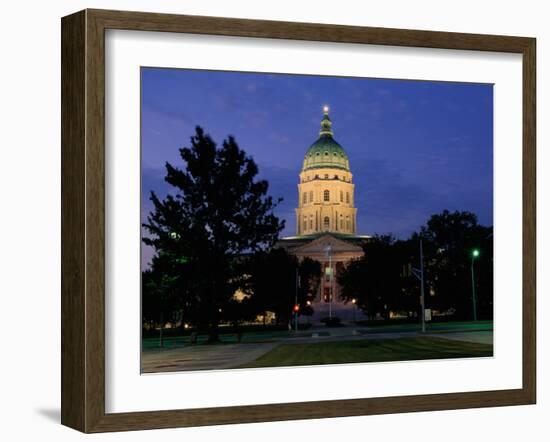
(415, 147)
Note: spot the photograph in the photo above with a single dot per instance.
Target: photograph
(262, 221)
(300, 220)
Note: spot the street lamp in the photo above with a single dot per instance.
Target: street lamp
(354, 302)
(475, 254)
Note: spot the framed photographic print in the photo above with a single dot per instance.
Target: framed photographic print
(268, 221)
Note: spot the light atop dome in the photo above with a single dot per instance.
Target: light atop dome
(326, 108)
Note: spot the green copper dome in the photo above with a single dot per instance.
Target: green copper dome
(326, 152)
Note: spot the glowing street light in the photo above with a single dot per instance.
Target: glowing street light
(475, 254)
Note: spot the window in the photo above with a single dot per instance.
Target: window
(341, 222)
(326, 223)
(304, 198)
(348, 225)
(310, 222)
(335, 177)
(341, 196)
(305, 223)
(326, 195)
(311, 196)
(347, 197)
(326, 176)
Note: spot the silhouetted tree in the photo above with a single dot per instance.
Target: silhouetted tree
(163, 293)
(274, 287)
(219, 211)
(449, 239)
(309, 274)
(374, 280)
(380, 282)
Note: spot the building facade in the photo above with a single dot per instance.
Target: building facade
(326, 220)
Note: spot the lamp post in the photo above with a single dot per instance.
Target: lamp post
(422, 298)
(296, 305)
(419, 274)
(354, 302)
(328, 253)
(475, 254)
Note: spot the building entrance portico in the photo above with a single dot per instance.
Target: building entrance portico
(333, 253)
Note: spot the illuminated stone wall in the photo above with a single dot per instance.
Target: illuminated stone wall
(326, 202)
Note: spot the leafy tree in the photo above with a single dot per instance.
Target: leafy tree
(380, 282)
(309, 274)
(273, 285)
(449, 239)
(219, 211)
(163, 291)
(155, 298)
(353, 280)
(374, 280)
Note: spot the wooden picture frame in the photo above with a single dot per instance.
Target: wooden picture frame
(83, 220)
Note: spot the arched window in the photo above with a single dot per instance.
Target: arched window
(304, 198)
(326, 195)
(310, 222)
(311, 196)
(326, 223)
(347, 197)
(341, 196)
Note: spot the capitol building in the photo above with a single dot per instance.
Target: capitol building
(326, 218)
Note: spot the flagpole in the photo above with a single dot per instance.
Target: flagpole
(330, 281)
(422, 299)
(296, 302)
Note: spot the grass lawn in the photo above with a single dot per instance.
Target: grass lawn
(440, 327)
(261, 335)
(376, 350)
(225, 338)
